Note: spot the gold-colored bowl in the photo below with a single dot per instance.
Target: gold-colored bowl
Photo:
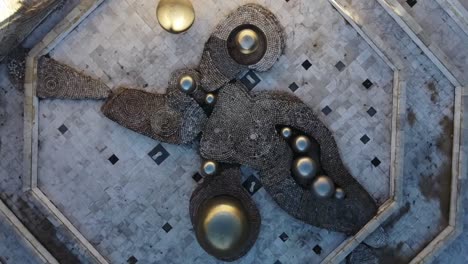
(175, 16)
(223, 227)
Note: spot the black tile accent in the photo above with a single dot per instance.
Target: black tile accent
(197, 177)
(365, 139)
(293, 86)
(159, 154)
(284, 237)
(317, 249)
(376, 162)
(367, 83)
(132, 260)
(326, 110)
(277, 261)
(250, 80)
(306, 64)
(63, 129)
(372, 111)
(411, 3)
(340, 66)
(113, 159)
(167, 227)
(252, 184)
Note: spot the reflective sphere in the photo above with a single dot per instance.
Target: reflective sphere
(286, 132)
(222, 225)
(210, 99)
(187, 84)
(247, 41)
(210, 167)
(323, 187)
(339, 194)
(301, 144)
(304, 170)
(175, 16)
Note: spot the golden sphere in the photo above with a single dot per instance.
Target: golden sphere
(210, 99)
(301, 144)
(187, 84)
(286, 132)
(304, 170)
(223, 225)
(247, 41)
(175, 16)
(323, 187)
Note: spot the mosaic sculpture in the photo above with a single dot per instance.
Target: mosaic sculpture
(273, 132)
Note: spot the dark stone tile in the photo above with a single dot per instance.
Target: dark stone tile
(167, 227)
(159, 154)
(326, 110)
(306, 64)
(63, 129)
(197, 177)
(365, 139)
(376, 162)
(250, 80)
(252, 184)
(132, 260)
(372, 111)
(113, 159)
(284, 237)
(367, 83)
(293, 86)
(411, 3)
(340, 66)
(278, 262)
(317, 249)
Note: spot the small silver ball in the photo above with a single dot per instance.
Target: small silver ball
(210, 167)
(286, 132)
(323, 187)
(301, 144)
(187, 84)
(210, 99)
(339, 194)
(304, 170)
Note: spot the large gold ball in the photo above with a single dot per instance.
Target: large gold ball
(323, 187)
(175, 16)
(301, 144)
(247, 41)
(222, 225)
(187, 84)
(304, 170)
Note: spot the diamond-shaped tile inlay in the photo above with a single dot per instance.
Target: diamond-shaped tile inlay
(372, 111)
(158, 154)
(306, 64)
(411, 3)
(167, 227)
(317, 249)
(252, 184)
(365, 139)
(340, 66)
(367, 83)
(63, 129)
(284, 237)
(132, 260)
(326, 110)
(197, 177)
(293, 86)
(376, 162)
(113, 159)
(250, 80)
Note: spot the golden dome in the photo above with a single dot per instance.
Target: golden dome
(175, 16)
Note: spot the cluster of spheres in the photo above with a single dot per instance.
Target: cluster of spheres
(188, 85)
(306, 167)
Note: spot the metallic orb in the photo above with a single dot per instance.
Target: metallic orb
(301, 144)
(175, 16)
(247, 41)
(210, 99)
(339, 194)
(210, 167)
(222, 225)
(323, 187)
(304, 170)
(286, 132)
(187, 84)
